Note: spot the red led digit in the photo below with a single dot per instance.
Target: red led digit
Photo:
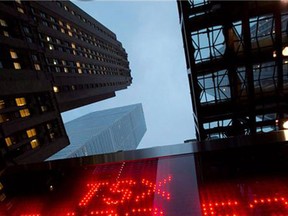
(120, 188)
(90, 194)
(214, 208)
(268, 201)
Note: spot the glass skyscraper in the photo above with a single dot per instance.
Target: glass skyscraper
(104, 131)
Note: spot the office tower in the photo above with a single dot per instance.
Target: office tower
(104, 131)
(236, 57)
(54, 57)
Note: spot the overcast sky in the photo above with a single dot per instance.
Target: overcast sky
(150, 33)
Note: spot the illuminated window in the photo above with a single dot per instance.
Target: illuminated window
(51, 47)
(55, 62)
(20, 101)
(78, 64)
(17, 65)
(79, 70)
(5, 33)
(24, 112)
(13, 54)
(20, 10)
(68, 26)
(55, 89)
(66, 70)
(60, 23)
(8, 141)
(31, 132)
(44, 108)
(34, 143)
(70, 33)
(62, 30)
(3, 118)
(73, 46)
(37, 67)
(49, 126)
(48, 38)
(18, 1)
(3, 22)
(2, 104)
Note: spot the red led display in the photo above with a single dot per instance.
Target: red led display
(124, 189)
(155, 187)
(265, 197)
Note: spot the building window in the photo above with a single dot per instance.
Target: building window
(5, 33)
(31, 132)
(55, 89)
(37, 67)
(78, 64)
(13, 54)
(2, 104)
(73, 45)
(48, 38)
(60, 23)
(51, 47)
(49, 126)
(20, 101)
(3, 23)
(17, 65)
(20, 10)
(62, 30)
(66, 70)
(34, 143)
(44, 108)
(68, 26)
(70, 33)
(18, 1)
(24, 112)
(79, 70)
(8, 141)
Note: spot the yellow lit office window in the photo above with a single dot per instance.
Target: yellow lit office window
(79, 70)
(24, 112)
(60, 23)
(66, 70)
(74, 52)
(3, 22)
(70, 33)
(20, 101)
(18, 1)
(37, 67)
(78, 64)
(55, 89)
(2, 104)
(48, 38)
(34, 143)
(62, 30)
(73, 45)
(20, 10)
(13, 54)
(68, 26)
(51, 47)
(3, 118)
(6, 34)
(8, 141)
(17, 65)
(2, 197)
(31, 132)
